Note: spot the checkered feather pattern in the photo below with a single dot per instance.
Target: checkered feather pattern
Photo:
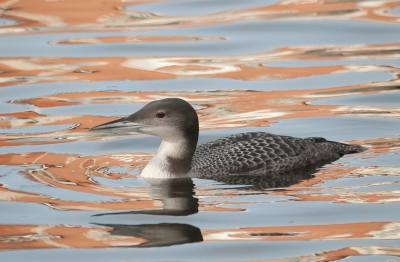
(259, 152)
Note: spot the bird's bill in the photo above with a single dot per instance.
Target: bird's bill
(122, 125)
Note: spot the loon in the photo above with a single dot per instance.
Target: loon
(251, 153)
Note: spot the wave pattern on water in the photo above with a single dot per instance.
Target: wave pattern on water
(295, 67)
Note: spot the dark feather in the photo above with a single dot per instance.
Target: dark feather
(258, 152)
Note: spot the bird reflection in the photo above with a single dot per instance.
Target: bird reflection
(158, 235)
(176, 194)
(178, 199)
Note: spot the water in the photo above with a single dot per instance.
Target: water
(300, 68)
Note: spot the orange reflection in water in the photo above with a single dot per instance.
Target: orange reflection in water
(37, 237)
(251, 67)
(112, 15)
(76, 173)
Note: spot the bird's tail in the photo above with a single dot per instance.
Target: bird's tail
(351, 149)
(340, 148)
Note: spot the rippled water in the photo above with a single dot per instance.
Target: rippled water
(296, 67)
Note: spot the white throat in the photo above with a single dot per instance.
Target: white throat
(161, 166)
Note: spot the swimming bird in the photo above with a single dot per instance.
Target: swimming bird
(251, 153)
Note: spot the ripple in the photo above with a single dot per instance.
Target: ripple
(7, 22)
(34, 129)
(389, 99)
(197, 7)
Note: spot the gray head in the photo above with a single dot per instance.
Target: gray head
(170, 119)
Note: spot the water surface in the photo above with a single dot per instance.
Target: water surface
(302, 68)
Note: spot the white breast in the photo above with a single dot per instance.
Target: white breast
(153, 170)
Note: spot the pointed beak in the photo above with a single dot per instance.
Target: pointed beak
(122, 125)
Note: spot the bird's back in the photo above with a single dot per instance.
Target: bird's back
(255, 152)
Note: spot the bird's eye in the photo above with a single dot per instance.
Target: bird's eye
(160, 114)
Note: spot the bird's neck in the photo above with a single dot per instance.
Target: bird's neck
(173, 159)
